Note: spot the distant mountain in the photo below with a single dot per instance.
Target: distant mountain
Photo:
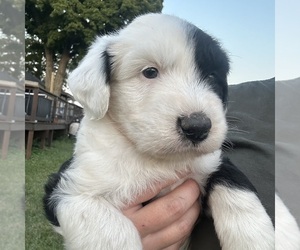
(291, 81)
(287, 101)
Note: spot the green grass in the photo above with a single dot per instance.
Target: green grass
(39, 233)
(12, 218)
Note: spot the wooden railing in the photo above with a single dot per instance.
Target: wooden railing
(43, 106)
(46, 112)
(11, 113)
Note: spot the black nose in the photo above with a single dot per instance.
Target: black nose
(195, 127)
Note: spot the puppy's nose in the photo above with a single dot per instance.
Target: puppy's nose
(195, 127)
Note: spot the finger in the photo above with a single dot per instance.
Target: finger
(178, 244)
(133, 207)
(167, 209)
(174, 235)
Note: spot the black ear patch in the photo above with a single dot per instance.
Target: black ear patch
(107, 65)
(211, 61)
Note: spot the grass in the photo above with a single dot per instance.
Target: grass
(12, 219)
(39, 233)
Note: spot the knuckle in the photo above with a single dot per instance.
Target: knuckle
(176, 207)
(184, 227)
(196, 188)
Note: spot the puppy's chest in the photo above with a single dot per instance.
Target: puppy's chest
(148, 174)
(198, 169)
(120, 179)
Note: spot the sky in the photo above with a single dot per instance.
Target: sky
(246, 30)
(287, 39)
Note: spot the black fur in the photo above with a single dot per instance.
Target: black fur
(107, 66)
(211, 60)
(50, 186)
(229, 175)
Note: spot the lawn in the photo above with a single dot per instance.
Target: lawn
(39, 234)
(12, 219)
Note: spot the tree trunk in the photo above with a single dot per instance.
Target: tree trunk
(61, 72)
(49, 68)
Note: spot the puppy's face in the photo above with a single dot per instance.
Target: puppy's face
(165, 85)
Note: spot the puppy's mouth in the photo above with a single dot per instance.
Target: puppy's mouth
(194, 127)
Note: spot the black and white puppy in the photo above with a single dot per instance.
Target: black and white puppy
(154, 96)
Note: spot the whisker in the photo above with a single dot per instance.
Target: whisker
(227, 145)
(237, 131)
(232, 118)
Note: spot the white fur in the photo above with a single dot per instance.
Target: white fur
(287, 234)
(234, 209)
(95, 103)
(139, 116)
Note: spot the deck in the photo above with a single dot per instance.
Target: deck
(46, 113)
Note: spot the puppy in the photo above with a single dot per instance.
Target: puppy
(154, 96)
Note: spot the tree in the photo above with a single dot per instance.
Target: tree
(12, 37)
(60, 31)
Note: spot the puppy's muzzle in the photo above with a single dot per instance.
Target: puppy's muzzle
(194, 127)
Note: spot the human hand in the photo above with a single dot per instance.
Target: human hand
(166, 222)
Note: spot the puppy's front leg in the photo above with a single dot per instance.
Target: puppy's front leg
(92, 223)
(240, 219)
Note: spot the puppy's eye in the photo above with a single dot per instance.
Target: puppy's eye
(150, 73)
(211, 76)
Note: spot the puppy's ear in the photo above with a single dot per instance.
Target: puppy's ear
(89, 82)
